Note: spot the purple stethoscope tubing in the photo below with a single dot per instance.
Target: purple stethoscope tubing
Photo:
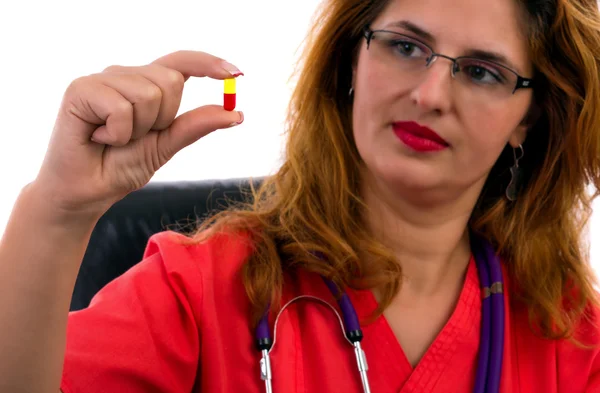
(498, 319)
(491, 345)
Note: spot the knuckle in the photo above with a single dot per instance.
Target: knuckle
(123, 108)
(174, 79)
(179, 53)
(151, 93)
(77, 84)
(113, 68)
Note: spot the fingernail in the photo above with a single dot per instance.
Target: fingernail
(235, 123)
(233, 70)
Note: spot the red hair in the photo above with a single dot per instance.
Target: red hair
(312, 204)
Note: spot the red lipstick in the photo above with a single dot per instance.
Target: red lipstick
(419, 138)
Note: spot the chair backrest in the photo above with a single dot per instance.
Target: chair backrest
(120, 237)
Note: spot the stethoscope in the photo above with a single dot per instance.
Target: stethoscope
(491, 346)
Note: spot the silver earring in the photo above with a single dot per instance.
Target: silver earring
(516, 180)
(350, 92)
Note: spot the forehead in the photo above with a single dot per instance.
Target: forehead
(460, 25)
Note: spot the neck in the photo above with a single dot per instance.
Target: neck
(430, 240)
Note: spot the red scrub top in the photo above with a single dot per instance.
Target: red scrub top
(178, 323)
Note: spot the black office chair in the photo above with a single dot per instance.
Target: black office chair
(119, 239)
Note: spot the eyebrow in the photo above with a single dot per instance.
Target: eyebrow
(491, 56)
(477, 53)
(414, 29)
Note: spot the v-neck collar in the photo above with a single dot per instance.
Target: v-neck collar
(456, 344)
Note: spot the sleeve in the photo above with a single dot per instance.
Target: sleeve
(140, 332)
(585, 361)
(593, 333)
(593, 383)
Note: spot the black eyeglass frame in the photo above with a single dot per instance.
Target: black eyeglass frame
(522, 82)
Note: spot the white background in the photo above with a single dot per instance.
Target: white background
(46, 44)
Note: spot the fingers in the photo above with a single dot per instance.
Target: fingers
(144, 96)
(193, 63)
(168, 81)
(128, 102)
(169, 73)
(193, 125)
(91, 104)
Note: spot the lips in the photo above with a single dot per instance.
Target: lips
(420, 131)
(419, 138)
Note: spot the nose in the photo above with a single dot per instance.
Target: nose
(433, 90)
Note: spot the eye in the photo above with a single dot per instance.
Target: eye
(482, 72)
(408, 48)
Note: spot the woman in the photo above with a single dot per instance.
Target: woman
(425, 136)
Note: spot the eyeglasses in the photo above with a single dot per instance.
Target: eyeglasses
(479, 79)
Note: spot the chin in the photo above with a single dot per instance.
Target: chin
(408, 183)
(404, 174)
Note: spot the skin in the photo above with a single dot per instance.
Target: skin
(415, 197)
(114, 130)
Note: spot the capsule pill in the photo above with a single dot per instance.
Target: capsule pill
(229, 94)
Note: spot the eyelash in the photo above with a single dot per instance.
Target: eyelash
(400, 44)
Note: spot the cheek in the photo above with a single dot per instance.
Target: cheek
(373, 98)
(486, 134)
(371, 85)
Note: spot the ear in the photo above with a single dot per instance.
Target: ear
(520, 133)
(518, 136)
(354, 64)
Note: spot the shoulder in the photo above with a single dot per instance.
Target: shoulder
(578, 360)
(572, 364)
(159, 311)
(221, 254)
(561, 365)
(204, 264)
(203, 247)
(586, 338)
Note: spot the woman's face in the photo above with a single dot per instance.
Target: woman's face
(398, 99)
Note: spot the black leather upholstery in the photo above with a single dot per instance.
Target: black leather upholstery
(120, 237)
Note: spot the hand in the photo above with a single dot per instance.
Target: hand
(115, 129)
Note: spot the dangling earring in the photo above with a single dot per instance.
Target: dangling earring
(516, 180)
(350, 92)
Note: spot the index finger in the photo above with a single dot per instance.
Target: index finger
(196, 63)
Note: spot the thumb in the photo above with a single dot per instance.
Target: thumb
(193, 125)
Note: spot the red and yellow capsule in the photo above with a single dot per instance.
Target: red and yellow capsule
(229, 94)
